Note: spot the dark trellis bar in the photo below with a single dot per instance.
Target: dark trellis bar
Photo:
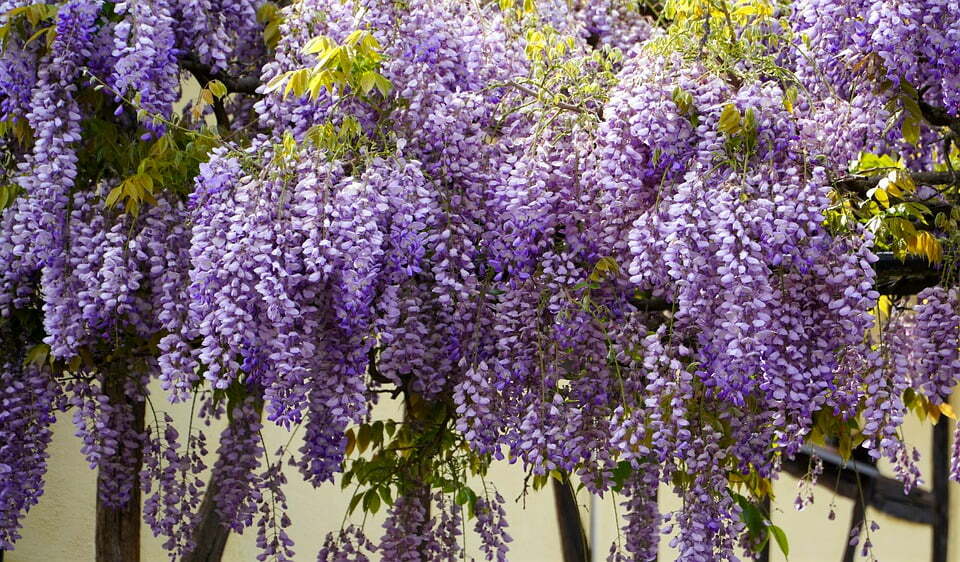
(862, 498)
(846, 478)
(859, 480)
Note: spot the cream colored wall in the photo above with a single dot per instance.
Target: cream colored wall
(60, 528)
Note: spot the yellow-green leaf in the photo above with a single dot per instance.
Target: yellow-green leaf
(324, 60)
(383, 85)
(316, 84)
(114, 196)
(271, 33)
(278, 81)
(730, 120)
(354, 37)
(316, 45)
(911, 129)
(947, 410)
(880, 194)
(37, 34)
(368, 81)
(217, 88)
(297, 83)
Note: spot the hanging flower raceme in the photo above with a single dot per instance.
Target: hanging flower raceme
(145, 47)
(33, 237)
(30, 398)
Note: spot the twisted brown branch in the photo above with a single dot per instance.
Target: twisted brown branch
(862, 184)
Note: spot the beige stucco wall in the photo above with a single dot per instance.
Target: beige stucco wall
(60, 528)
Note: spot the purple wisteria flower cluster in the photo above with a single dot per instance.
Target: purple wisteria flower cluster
(30, 398)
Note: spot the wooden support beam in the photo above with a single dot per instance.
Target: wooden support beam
(941, 490)
(117, 534)
(573, 539)
(211, 534)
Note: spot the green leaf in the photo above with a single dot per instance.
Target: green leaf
(217, 88)
(620, 474)
(35, 13)
(377, 433)
(683, 99)
(363, 438)
(750, 515)
(909, 98)
(271, 33)
(267, 11)
(37, 34)
(145, 182)
(38, 354)
(845, 446)
(781, 539)
(911, 129)
(386, 495)
(354, 501)
(371, 501)
(606, 267)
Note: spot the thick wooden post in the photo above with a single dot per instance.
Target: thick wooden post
(941, 490)
(118, 528)
(573, 540)
(210, 535)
